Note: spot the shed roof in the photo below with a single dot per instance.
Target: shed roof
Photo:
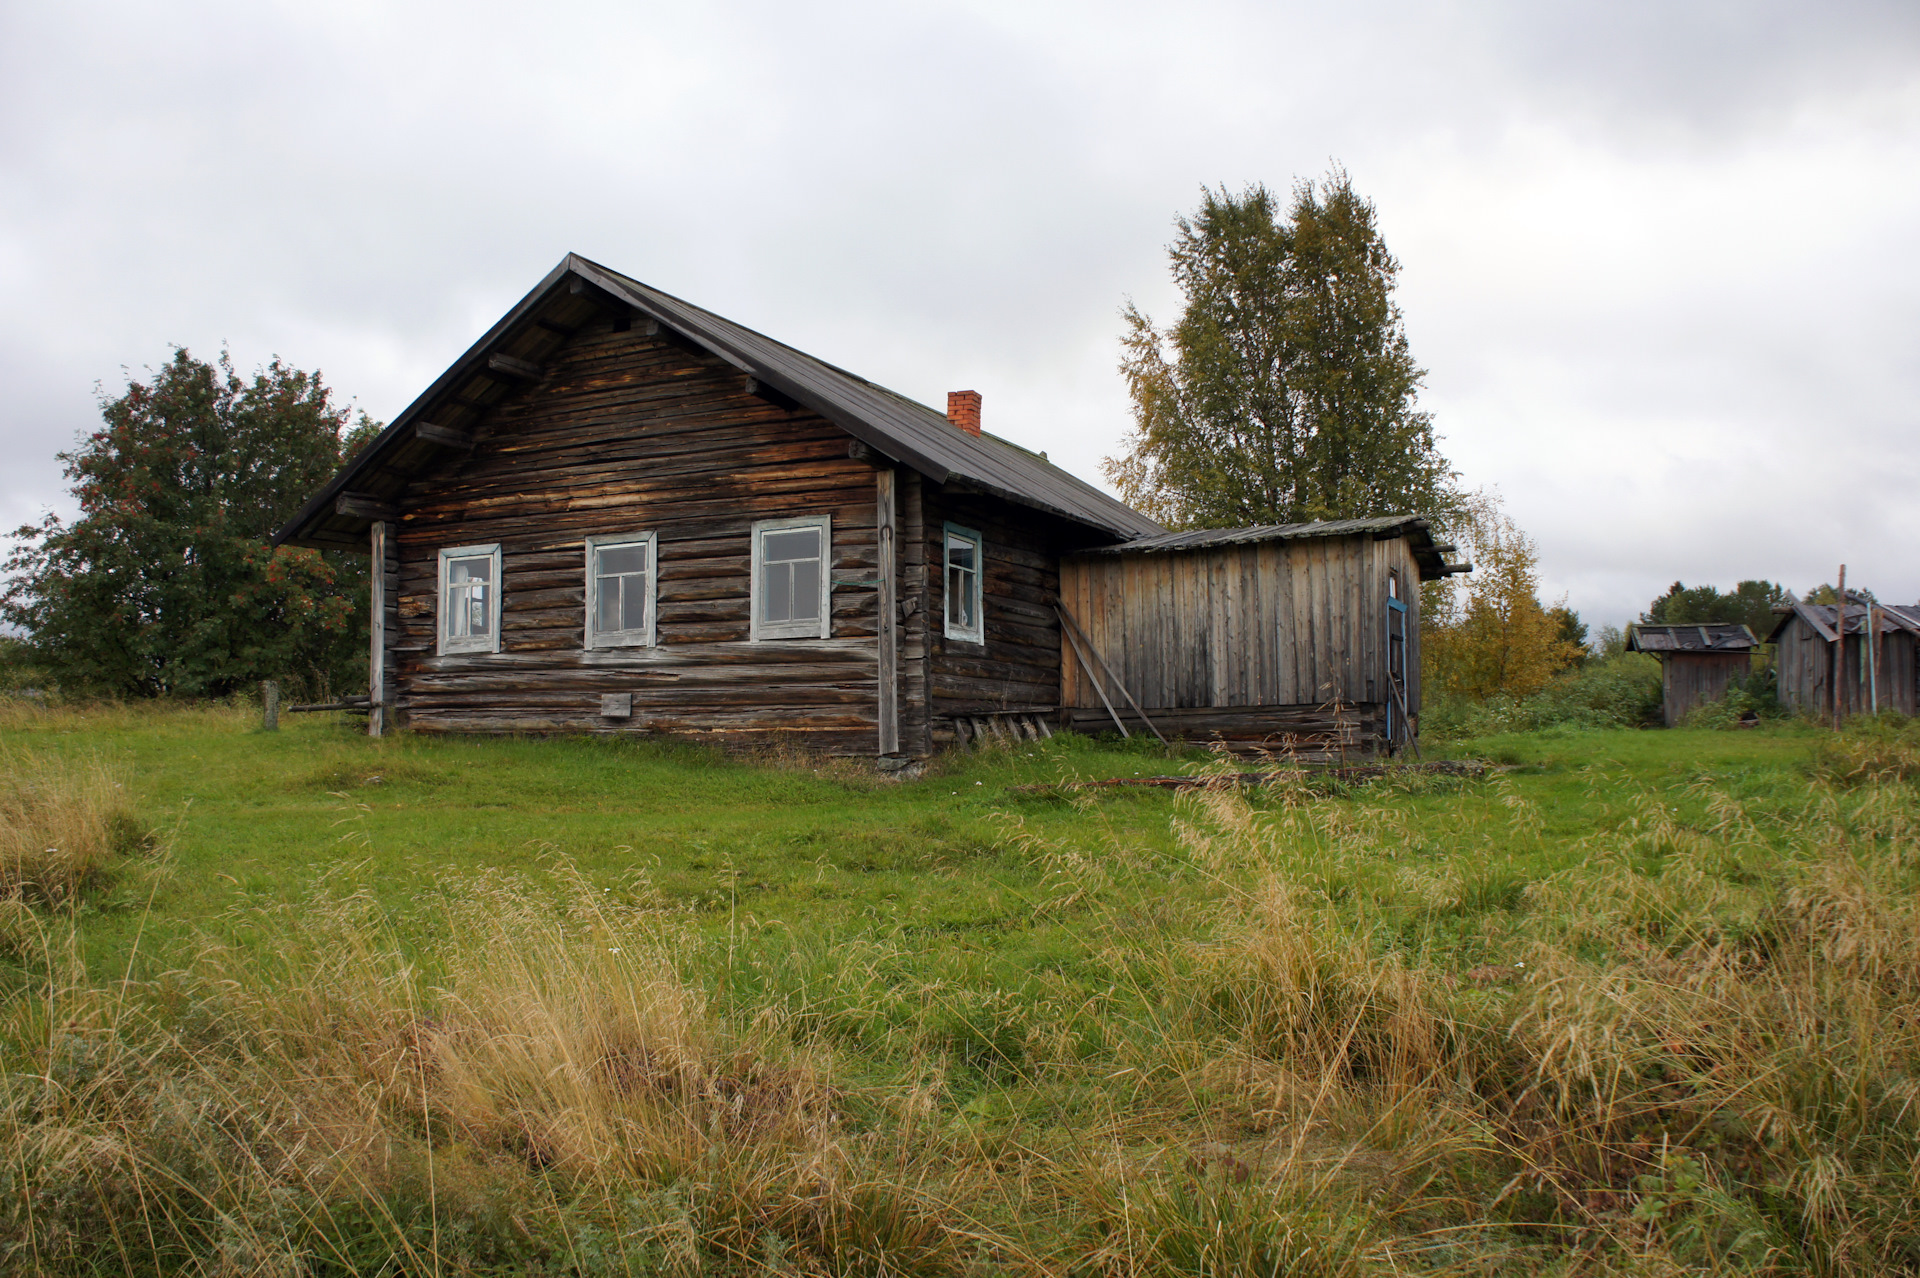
(1888, 618)
(1711, 637)
(891, 424)
(1428, 555)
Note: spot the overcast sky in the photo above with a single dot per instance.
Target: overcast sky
(1658, 258)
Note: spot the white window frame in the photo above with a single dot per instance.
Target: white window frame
(758, 629)
(978, 634)
(623, 638)
(490, 642)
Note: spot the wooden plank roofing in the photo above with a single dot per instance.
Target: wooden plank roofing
(1426, 554)
(1888, 618)
(576, 290)
(1711, 637)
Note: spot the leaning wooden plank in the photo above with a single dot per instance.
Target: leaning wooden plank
(1081, 657)
(1067, 620)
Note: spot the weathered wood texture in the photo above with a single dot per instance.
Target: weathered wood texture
(1804, 660)
(1690, 679)
(1268, 630)
(385, 709)
(1018, 667)
(626, 432)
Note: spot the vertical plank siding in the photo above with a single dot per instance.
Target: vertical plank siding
(1246, 642)
(1804, 667)
(627, 433)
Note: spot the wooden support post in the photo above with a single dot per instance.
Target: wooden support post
(377, 647)
(269, 706)
(889, 619)
(1873, 660)
(1839, 646)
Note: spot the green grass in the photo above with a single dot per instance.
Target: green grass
(1588, 1014)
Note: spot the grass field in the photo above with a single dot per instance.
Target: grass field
(1636, 1002)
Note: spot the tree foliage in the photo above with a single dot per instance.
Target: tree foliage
(1749, 603)
(1491, 635)
(166, 582)
(1285, 392)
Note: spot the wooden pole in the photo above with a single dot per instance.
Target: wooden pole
(1873, 660)
(889, 628)
(377, 644)
(269, 706)
(1839, 644)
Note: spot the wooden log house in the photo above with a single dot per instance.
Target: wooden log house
(1814, 671)
(619, 513)
(1697, 662)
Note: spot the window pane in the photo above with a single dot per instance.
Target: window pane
(633, 601)
(778, 605)
(479, 569)
(798, 543)
(607, 604)
(619, 559)
(960, 553)
(806, 590)
(478, 622)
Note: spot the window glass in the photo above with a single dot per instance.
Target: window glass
(622, 588)
(790, 575)
(963, 585)
(469, 603)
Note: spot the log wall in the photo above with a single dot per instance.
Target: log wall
(1245, 641)
(629, 433)
(1018, 667)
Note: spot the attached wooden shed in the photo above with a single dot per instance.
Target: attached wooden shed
(1292, 637)
(1878, 678)
(1697, 662)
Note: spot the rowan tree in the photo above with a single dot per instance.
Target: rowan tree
(1286, 391)
(166, 582)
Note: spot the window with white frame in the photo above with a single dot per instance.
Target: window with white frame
(620, 590)
(470, 599)
(790, 587)
(964, 553)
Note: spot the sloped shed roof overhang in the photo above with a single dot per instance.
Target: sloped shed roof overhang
(1719, 637)
(1888, 618)
(575, 292)
(1428, 556)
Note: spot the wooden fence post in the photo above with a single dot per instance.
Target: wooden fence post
(269, 706)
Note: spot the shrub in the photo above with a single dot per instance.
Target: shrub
(1611, 692)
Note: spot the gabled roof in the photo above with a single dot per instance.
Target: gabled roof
(1711, 637)
(890, 424)
(1888, 618)
(1427, 555)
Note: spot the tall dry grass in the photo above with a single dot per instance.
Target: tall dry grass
(1703, 1055)
(546, 1092)
(61, 821)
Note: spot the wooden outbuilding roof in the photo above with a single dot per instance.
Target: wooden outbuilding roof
(1711, 637)
(512, 353)
(1428, 555)
(1888, 618)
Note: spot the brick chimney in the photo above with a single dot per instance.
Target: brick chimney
(963, 410)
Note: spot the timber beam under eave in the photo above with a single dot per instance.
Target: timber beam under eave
(364, 506)
(512, 367)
